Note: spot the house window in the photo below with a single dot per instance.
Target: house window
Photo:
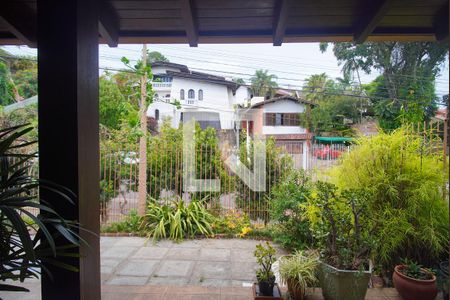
(157, 114)
(191, 94)
(282, 119)
(200, 95)
(181, 94)
(156, 96)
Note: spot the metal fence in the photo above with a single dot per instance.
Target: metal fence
(119, 175)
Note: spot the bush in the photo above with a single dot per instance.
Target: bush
(287, 211)
(278, 164)
(131, 224)
(232, 223)
(339, 222)
(177, 220)
(409, 217)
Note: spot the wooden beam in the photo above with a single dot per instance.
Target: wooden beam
(369, 21)
(442, 23)
(20, 21)
(187, 13)
(108, 24)
(68, 69)
(280, 20)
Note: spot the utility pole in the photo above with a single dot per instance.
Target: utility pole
(142, 189)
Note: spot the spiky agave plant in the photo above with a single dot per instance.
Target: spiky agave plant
(27, 240)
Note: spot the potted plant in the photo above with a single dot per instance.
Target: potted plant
(298, 271)
(339, 225)
(413, 282)
(265, 257)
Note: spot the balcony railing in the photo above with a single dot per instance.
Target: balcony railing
(162, 84)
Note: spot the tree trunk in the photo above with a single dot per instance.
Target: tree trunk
(143, 139)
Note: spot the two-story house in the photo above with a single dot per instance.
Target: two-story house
(279, 118)
(209, 98)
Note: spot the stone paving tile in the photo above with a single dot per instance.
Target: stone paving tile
(118, 252)
(218, 243)
(212, 270)
(107, 241)
(183, 253)
(174, 268)
(189, 244)
(162, 243)
(130, 241)
(127, 280)
(142, 268)
(173, 281)
(210, 282)
(106, 269)
(109, 262)
(210, 254)
(243, 271)
(244, 244)
(242, 255)
(150, 253)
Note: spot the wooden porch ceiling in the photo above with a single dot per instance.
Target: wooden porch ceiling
(247, 21)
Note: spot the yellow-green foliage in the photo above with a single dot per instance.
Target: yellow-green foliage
(409, 213)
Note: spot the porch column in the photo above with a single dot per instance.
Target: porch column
(68, 133)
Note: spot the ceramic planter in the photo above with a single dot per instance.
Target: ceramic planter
(414, 289)
(339, 284)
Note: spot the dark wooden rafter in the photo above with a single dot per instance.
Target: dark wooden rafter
(108, 24)
(441, 25)
(187, 13)
(369, 20)
(280, 21)
(21, 21)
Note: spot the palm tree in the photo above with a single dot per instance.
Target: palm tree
(315, 87)
(263, 84)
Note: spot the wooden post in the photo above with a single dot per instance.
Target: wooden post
(69, 136)
(142, 189)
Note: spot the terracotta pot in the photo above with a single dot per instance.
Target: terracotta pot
(414, 289)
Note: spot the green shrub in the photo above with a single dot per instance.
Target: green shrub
(339, 222)
(177, 220)
(409, 217)
(286, 210)
(131, 224)
(232, 223)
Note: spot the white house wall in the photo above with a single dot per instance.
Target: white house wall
(283, 106)
(217, 98)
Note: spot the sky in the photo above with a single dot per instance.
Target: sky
(291, 63)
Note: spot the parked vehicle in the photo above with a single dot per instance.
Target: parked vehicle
(327, 153)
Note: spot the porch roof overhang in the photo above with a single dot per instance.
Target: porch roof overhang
(251, 21)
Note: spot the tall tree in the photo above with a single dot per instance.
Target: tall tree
(263, 84)
(114, 107)
(239, 81)
(316, 87)
(7, 88)
(144, 72)
(408, 74)
(155, 56)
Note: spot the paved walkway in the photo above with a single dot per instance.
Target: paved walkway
(217, 269)
(205, 262)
